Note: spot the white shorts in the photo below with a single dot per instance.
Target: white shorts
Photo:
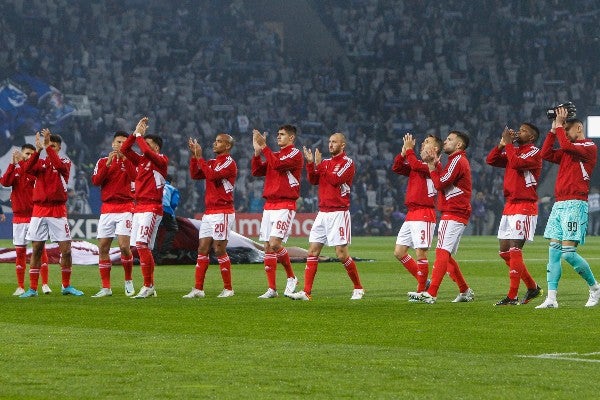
(216, 226)
(449, 234)
(518, 226)
(113, 224)
(416, 234)
(20, 234)
(277, 223)
(331, 228)
(144, 228)
(42, 228)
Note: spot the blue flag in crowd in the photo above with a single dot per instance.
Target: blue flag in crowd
(26, 99)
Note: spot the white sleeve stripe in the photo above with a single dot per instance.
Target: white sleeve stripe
(451, 167)
(345, 167)
(530, 153)
(225, 164)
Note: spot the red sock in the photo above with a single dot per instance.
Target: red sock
(65, 272)
(201, 266)
(271, 269)
(514, 271)
(34, 276)
(525, 276)
(104, 266)
(422, 273)
(44, 267)
(350, 266)
(411, 265)
(152, 266)
(505, 255)
(312, 263)
(225, 266)
(284, 258)
(440, 266)
(456, 274)
(145, 263)
(127, 267)
(21, 265)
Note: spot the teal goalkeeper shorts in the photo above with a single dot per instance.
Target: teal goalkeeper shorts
(568, 221)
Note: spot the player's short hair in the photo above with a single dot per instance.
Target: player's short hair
(28, 146)
(120, 134)
(290, 129)
(464, 137)
(341, 135)
(574, 121)
(536, 131)
(156, 139)
(55, 138)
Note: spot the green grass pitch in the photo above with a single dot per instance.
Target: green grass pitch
(242, 347)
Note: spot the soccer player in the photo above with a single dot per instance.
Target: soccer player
(332, 225)
(170, 203)
(417, 230)
(282, 172)
(576, 157)
(22, 206)
(115, 175)
(219, 215)
(453, 182)
(522, 163)
(149, 182)
(49, 215)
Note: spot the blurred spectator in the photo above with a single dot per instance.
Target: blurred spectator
(479, 214)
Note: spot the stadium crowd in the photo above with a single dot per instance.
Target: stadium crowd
(201, 67)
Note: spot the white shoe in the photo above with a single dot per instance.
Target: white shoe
(103, 292)
(467, 295)
(19, 291)
(548, 304)
(129, 289)
(194, 293)
(46, 289)
(357, 294)
(414, 297)
(269, 294)
(301, 295)
(226, 293)
(594, 297)
(145, 292)
(427, 298)
(290, 286)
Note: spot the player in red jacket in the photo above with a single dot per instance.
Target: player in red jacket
(115, 175)
(282, 170)
(49, 215)
(417, 230)
(566, 228)
(22, 207)
(219, 215)
(149, 182)
(522, 163)
(453, 183)
(332, 226)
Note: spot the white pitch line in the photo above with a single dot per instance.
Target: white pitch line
(565, 357)
(470, 260)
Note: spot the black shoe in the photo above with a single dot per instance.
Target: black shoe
(532, 294)
(507, 301)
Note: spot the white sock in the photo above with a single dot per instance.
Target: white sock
(552, 295)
